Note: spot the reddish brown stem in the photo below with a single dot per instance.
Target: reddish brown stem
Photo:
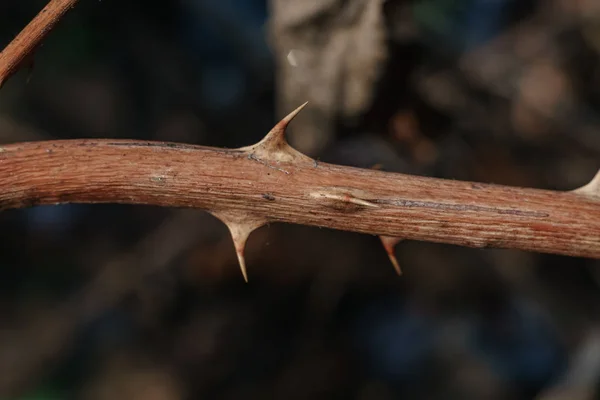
(299, 191)
(12, 56)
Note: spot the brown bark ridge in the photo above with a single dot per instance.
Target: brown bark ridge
(272, 182)
(31, 36)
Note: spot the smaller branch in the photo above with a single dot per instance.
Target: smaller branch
(26, 41)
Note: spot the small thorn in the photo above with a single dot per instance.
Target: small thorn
(389, 243)
(345, 197)
(360, 202)
(592, 188)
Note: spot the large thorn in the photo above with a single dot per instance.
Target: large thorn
(240, 229)
(276, 135)
(274, 146)
(389, 244)
(592, 188)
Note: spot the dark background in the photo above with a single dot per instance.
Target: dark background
(137, 302)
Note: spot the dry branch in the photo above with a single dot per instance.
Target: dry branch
(31, 36)
(271, 182)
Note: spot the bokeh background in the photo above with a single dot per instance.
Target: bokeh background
(136, 302)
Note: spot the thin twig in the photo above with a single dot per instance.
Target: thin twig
(26, 41)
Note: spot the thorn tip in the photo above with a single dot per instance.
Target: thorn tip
(389, 244)
(288, 118)
(239, 234)
(242, 262)
(278, 130)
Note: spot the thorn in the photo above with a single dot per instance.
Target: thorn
(239, 234)
(240, 229)
(389, 243)
(344, 197)
(276, 136)
(274, 147)
(288, 118)
(592, 188)
(278, 130)
(242, 261)
(360, 202)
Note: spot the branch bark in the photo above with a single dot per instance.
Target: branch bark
(17, 50)
(271, 182)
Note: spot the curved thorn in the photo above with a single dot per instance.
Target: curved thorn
(274, 147)
(278, 131)
(288, 118)
(389, 244)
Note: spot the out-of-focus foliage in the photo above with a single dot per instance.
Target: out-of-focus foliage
(122, 302)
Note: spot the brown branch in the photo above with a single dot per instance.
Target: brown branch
(26, 41)
(271, 182)
(249, 187)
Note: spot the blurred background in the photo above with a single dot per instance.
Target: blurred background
(136, 302)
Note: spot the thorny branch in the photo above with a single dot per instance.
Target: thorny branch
(272, 182)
